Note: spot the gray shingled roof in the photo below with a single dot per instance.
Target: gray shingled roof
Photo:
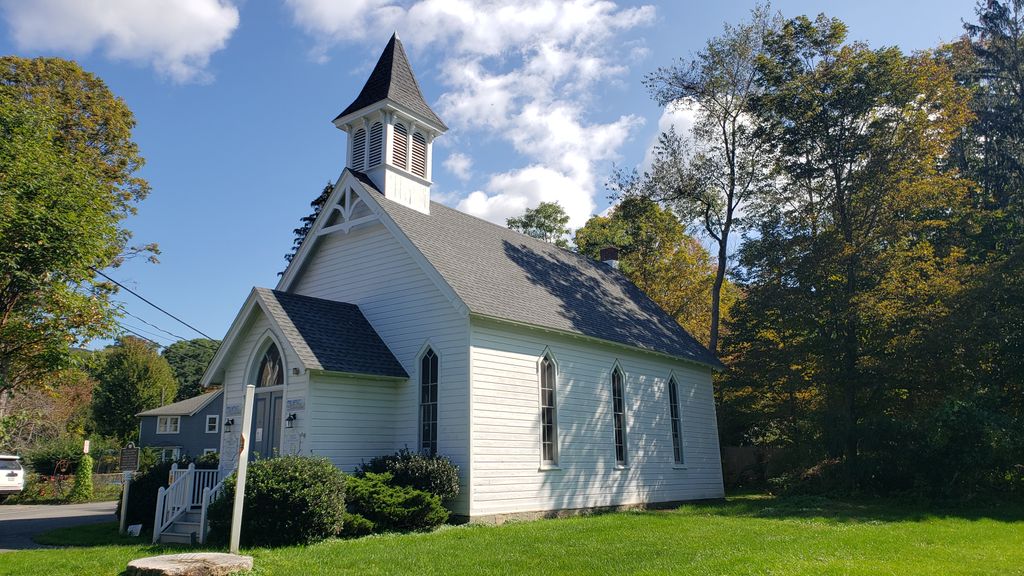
(504, 274)
(186, 407)
(392, 78)
(331, 336)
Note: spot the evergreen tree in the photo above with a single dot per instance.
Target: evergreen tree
(307, 221)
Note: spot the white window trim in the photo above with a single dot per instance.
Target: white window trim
(419, 395)
(216, 423)
(175, 453)
(625, 418)
(209, 451)
(546, 465)
(177, 429)
(672, 384)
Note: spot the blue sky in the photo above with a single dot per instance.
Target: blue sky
(234, 102)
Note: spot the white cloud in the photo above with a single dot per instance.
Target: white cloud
(520, 72)
(681, 117)
(459, 164)
(176, 37)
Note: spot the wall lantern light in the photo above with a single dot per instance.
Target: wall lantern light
(228, 424)
(289, 422)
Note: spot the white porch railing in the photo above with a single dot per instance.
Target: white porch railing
(209, 495)
(188, 488)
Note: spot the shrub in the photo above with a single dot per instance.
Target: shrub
(434, 474)
(143, 492)
(388, 507)
(356, 525)
(82, 492)
(288, 500)
(44, 458)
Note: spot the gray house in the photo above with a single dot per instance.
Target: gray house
(189, 428)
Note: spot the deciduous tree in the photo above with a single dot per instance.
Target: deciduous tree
(133, 378)
(547, 222)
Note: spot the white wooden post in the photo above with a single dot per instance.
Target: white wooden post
(124, 500)
(243, 465)
(159, 514)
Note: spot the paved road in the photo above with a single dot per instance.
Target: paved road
(19, 522)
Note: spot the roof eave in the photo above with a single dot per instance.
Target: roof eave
(717, 366)
(343, 120)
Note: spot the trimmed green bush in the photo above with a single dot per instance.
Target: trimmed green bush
(288, 500)
(434, 474)
(82, 492)
(356, 525)
(393, 508)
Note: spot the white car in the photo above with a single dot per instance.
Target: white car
(12, 476)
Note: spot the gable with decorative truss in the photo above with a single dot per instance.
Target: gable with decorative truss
(347, 212)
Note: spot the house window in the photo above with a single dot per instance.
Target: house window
(399, 155)
(358, 149)
(168, 424)
(170, 454)
(376, 144)
(677, 429)
(428, 402)
(548, 425)
(419, 155)
(212, 424)
(271, 372)
(619, 417)
(207, 451)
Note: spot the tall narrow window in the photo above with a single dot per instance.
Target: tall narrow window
(271, 372)
(376, 144)
(428, 403)
(399, 156)
(548, 426)
(677, 431)
(419, 155)
(358, 149)
(619, 417)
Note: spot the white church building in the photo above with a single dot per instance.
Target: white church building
(548, 378)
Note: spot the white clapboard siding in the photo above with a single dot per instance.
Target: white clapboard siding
(506, 425)
(237, 374)
(370, 268)
(351, 419)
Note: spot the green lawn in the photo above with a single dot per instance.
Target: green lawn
(745, 535)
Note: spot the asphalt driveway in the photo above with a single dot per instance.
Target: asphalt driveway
(19, 522)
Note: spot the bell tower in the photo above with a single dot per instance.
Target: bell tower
(391, 130)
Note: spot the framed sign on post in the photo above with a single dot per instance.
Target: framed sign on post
(129, 458)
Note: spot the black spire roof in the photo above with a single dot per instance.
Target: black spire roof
(392, 78)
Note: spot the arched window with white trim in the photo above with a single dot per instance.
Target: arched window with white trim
(677, 424)
(358, 150)
(548, 415)
(399, 154)
(419, 155)
(271, 368)
(428, 402)
(376, 144)
(619, 416)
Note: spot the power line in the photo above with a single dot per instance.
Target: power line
(120, 306)
(153, 335)
(137, 335)
(140, 297)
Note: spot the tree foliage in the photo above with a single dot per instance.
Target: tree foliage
(657, 255)
(67, 181)
(547, 222)
(307, 221)
(188, 360)
(709, 177)
(856, 258)
(133, 378)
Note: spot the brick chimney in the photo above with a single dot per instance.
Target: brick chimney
(610, 256)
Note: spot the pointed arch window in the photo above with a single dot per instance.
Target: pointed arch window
(376, 144)
(428, 402)
(400, 155)
(677, 427)
(271, 370)
(419, 155)
(548, 423)
(358, 149)
(619, 416)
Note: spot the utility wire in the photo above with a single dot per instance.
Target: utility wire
(153, 335)
(140, 297)
(136, 334)
(121, 307)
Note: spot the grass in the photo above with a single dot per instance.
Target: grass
(744, 535)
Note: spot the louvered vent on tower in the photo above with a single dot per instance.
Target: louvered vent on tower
(419, 155)
(358, 150)
(376, 144)
(399, 156)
